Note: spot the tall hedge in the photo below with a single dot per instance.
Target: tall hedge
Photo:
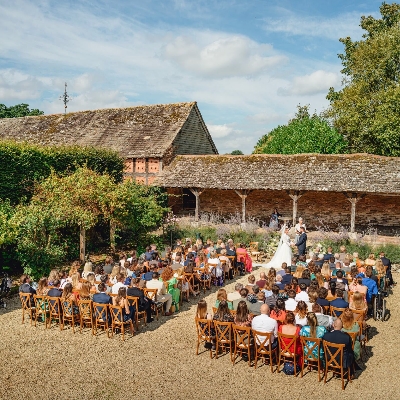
(23, 164)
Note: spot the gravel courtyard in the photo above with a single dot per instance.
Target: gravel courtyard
(160, 362)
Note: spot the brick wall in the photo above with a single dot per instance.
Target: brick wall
(317, 208)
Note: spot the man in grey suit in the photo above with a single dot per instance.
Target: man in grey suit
(255, 308)
(243, 297)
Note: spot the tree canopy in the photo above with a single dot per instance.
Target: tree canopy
(237, 153)
(366, 111)
(303, 134)
(19, 110)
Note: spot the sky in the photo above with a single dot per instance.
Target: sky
(248, 64)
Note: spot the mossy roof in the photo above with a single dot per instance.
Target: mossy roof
(362, 173)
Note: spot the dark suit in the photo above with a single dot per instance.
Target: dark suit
(144, 302)
(102, 298)
(55, 292)
(287, 279)
(386, 262)
(339, 337)
(323, 302)
(302, 244)
(339, 303)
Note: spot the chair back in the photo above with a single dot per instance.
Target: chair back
(26, 300)
(337, 311)
(359, 316)
(309, 346)
(101, 312)
(353, 336)
(214, 310)
(203, 327)
(253, 246)
(40, 302)
(67, 307)
(223, 331)
(151, 294)
(284, 347)
(116, 313)
(54, 306)
(260, 341)
(85, 309)
(242, 336)
(326, 309)
(333, 355)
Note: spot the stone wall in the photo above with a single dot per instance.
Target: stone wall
(327, 209)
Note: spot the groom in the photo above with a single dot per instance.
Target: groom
(302, 242)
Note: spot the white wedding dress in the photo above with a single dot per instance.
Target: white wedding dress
(283, 252)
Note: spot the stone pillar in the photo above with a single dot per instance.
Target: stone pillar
(295, 196)
(243, 195)
(197, 192)
(353, 198)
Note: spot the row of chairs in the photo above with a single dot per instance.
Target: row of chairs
(95, 315)
(240, 340)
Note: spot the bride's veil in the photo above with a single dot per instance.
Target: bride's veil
(282, 232)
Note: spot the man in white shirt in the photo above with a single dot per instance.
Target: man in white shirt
(291, 303)
(119, 284)
(264, 323)
(303, 294)
(236, 294)
(162, 295)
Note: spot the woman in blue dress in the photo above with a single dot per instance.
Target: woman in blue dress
(312, 330)
(274, 220)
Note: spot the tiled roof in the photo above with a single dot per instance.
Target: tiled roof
(142, 131)
(317, 172)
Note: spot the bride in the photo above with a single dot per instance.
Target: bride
(283, 252)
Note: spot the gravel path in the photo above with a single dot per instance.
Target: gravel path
(160, 362)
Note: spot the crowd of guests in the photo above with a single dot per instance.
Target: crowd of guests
(299, 300)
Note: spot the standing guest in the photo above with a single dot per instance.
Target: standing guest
(243, 316)
(264, 323)
(274, 219)
(302, 242)
(144, 303)
(279, 312)
(291, 303)
(312, 330)
(387, 263)
(162, 295)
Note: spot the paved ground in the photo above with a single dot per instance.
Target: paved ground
(160, 363)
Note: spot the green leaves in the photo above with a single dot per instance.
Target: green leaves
(303, 134)
(19, 110)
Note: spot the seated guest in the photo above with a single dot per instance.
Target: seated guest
(322, 294)
(299, 271)
(305, 278)
(357, 286)
(223, 314)
(226, 263)
(261, 282)
(76, 285)
(283, 270)
(171, 284)
(144, 303)
(255, 307)
(25, 286)
(301, 313)
(312, 298)
(320, 261)
(243, 316)
(313, 330)
(371, 284)
(295, 285)
(278, 282)
(222, 296)
(236, 294)
(303, 293)
(341, 283)
(243, 297)
(278, 313)
(291, 303)
(349, 325)
(339, 302)
(42, 287)
(264, 323)
(328, 255)
(148, 275)
(162, 295)
(54, 275)
(338, 267)
(289, 327)
(271, 300)
(102, 297)
(68, 295)
(85, 292)
(119, 284)
(287, 278)
(55, 290)
(108, 267)
(358, 302)
(252, 281)
(331, 291)
(323, 320)
(339, 337)
(268, 288)
(120, 300)
(88, 268)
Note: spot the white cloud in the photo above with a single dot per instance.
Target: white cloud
(219, 131)
(18, 86)
(343, 25)
(225, 57)
(314, 83)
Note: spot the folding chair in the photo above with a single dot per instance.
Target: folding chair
(203, 329)
(262, 349)
(27, 305)
(311, 345)
(55, 312)
(243, 342)
(334, 360)
(117, 321)
(284, 350)
(223, 337)
(85, 314)
(101, 317)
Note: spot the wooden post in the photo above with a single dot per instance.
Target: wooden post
(82, 244)
(353, 198)
(197, 192)
(243, 195)
(295, 196)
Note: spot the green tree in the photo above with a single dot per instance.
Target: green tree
(19, 110)
(303, 134)
(366, 111)
(237, 153)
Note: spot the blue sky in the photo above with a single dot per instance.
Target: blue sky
(247, 63)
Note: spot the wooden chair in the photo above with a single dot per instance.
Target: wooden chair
(359, 317)
(253, 250)
(85, 314)
(243, 342)
(262, 349)
(212, 270)
(310, 345)
(203, 329)
(27, 306)
(139, 315)
(223, 337)
(214, 310)
(41, 308)
(233, 264)
(117, 321)
(156, 307)
(190, 278)
(334, 360)
(284, 350)
(184, 293)
(100, 312)
(68, 313)
(336, 311)
(326, 309)
(205, 283)
(353, 336)
(55, 312)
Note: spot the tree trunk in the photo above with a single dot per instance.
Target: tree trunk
(82, 244)
(113, 227)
